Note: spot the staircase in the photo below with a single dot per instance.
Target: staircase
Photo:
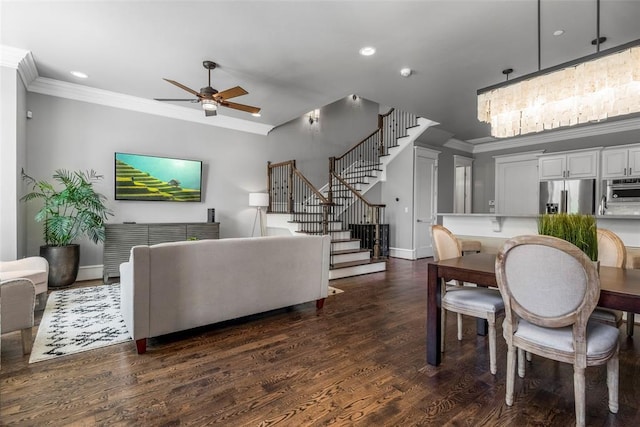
(339, 208)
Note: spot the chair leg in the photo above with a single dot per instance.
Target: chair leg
(612, 383)
(521, 363)
(511, 374)
(630, 323)
(459, 327)
(27, 341)
(579, 392)
(492, 346)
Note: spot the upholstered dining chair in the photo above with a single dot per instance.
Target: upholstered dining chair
(612, 253)
(17, 299)
(478, 302)
(547, 311)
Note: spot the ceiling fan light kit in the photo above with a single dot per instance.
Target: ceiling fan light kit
(589, 89)
(210, 98)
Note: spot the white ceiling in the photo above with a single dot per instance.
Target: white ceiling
(293, 57)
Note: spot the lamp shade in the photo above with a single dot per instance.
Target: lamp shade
(258, 199)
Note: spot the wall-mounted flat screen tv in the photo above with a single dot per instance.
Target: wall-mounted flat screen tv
(141, 177)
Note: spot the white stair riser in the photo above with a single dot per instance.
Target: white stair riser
(357, 270)
(333, 226)
(340, 235)
(355, 256)
(343, 246)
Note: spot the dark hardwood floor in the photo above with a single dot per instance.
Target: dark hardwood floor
(359, 361)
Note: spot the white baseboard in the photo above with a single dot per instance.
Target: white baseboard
(402, 253)
(89, 272)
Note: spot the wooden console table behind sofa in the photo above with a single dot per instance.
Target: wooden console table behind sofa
(120, 238)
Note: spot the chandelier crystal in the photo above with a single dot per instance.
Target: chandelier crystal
(594, 88)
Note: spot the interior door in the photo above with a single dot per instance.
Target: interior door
(425, 187)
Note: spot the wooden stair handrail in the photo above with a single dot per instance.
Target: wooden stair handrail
(358, 144)
(319, 195)
(356, 192)
(276, 165)
(387, 114)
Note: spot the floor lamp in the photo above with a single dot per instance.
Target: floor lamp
(259, 201)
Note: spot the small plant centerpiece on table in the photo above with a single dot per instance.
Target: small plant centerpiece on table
(578, 229)
(68, 213)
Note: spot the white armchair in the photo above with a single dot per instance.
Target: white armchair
(34, 268)
(18, 297)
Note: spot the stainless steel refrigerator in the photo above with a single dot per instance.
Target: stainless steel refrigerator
(568, 196)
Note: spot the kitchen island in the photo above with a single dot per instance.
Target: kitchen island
(493, 229)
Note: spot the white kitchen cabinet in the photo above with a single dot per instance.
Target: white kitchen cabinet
(517, 184)
(571, 165)
(621, 162)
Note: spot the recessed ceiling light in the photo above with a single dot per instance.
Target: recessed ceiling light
(79, 74)
(406, 72)
(367, 51)
(256, 114)
(558, 32)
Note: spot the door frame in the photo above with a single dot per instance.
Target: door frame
(430, 154)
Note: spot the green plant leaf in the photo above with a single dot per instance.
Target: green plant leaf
(73, 211)
(579, 229)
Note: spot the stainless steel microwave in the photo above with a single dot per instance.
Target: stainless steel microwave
(623, 190)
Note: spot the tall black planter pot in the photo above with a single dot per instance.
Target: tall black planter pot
(63, 264)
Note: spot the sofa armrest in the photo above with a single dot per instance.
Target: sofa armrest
(29, 263)
(134, 292)
(18, 301)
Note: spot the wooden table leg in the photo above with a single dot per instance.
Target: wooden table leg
(434, 354)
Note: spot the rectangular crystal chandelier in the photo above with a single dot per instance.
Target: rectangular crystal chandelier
(596, 87)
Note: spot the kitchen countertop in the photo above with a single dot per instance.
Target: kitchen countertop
(498, 215)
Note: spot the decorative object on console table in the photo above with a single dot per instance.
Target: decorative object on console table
(211, 215)
(367, 235)
(74, 211)
(120, 238)
(259, 201)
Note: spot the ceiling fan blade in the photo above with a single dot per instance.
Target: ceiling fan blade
(172, 99)
(241, 107)
(231, 93)
(209, 113)
(181, 86)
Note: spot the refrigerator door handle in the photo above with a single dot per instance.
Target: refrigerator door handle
(563, 201)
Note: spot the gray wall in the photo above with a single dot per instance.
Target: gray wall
(484, 163)
(342, 125)
(78, 136)
(399, 185)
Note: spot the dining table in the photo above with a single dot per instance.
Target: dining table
(619, 289)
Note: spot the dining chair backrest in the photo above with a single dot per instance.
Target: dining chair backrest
(546, 281)
(611, 249)
(445, 244)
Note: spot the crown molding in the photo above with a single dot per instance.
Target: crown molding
(457, 144)
(559, 135)
(11, 56)
(82, 93)
(19, 59)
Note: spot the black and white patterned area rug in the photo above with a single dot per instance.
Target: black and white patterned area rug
(80, 319)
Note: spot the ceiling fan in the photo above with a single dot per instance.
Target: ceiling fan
(210, 98)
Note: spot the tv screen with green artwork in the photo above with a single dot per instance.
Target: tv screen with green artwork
(142, 177)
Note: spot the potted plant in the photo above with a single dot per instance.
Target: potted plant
(73, 211)
(578, 229)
